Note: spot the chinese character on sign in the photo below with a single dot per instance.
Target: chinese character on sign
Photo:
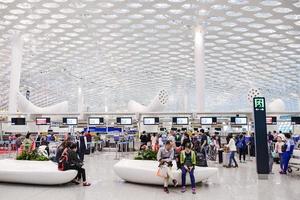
(259, 104)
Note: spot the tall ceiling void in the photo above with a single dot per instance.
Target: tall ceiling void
(121, 50)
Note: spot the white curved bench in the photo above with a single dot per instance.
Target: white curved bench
(144, 172)
(34, 172)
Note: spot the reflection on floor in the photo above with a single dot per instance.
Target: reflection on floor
(231, 184)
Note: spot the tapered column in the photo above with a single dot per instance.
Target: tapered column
(80, 103)
(15, 71)
(199, 68)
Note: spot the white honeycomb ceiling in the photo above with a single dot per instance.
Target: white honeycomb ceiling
(130, 49)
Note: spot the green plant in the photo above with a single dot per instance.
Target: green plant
(25, 155)
(146, 155)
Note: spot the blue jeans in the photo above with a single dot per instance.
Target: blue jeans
(281, 161)
(192, 177)
(232, 158)
(286, 156)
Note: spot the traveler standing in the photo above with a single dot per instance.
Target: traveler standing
(232, 150)
(88, 142)
(154, 142)
(178, 139)
(171, 138)
(188, 162)
(82, 146)
(242, 147)
(38, 140)
(28, 143)
(278, 149)
(287, 152)
(165, 156)
(186, 139)
(144, 139)
(271, 156)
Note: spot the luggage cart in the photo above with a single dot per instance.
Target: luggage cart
(294, 163)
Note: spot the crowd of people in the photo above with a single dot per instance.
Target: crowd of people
(186, 149)
(195, 148)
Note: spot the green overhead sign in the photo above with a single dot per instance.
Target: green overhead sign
(259, 103)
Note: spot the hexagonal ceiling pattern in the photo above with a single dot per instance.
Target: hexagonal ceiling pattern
(119, 50)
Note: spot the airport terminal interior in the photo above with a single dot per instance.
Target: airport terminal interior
(150, 99)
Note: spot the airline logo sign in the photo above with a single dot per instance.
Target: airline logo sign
(259, 103)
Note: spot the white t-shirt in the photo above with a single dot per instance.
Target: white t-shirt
(231, 145)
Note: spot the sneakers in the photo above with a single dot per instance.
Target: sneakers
(175, 182)
(183, 189)
(166, 190)
(282, 172)
(194, 190)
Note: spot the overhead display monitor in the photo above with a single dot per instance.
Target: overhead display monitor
(151, 120)
(239, 121)
(271, 120)
(162, 129)
(295, 120)
(70, 120)
(208, 120)
(18, 121)
(124, 120)
(96, 121)
(181, 120)
(43, 121)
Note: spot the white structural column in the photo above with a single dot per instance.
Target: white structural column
(80, 103)
(15, 71)
(185, 102)
(199, 68)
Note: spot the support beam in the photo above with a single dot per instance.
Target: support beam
(15, 71)
(80, 104)
(199, 68)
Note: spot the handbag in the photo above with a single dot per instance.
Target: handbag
(274, 154)
(284, 147)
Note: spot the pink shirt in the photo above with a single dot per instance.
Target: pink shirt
(278, 146)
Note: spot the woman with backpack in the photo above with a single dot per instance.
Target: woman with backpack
(76, 163)
(69, 160)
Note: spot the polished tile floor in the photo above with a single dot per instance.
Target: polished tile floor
(228, 184)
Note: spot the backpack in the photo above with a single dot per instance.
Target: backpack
(209, 142)
(178, 138)
(19, 141)
(63, 163)
(240, 144)
(164, 138)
